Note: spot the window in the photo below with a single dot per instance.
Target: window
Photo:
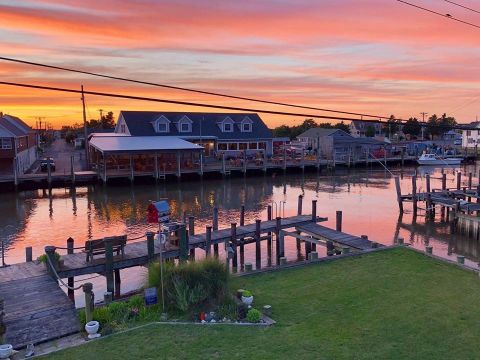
(185, 127)
(262, 145)
(252, 146)
(227, 127)
(469, 132)
(6, 143)
(122, 128)
(222, 146)
(162, 127)
(232, 146)
(246, 127)
(242, 146)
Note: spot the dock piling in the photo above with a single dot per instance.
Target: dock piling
(338, 222)
(28, 254)
(277, 236)
(150, 245)
(50, 252)
(470, 180)
(215, 228)
(109, 263)
(269, 240)
(444, 181)
(399, 193)
(191, 232)
(242, 240)
(183, 243)
(300, 204)
(414, 194)
(314, 211)
(258, 255)
(70, 280)
(233, 239)
(427, 180)
(208, 240)
(89, 304)
(459, 180)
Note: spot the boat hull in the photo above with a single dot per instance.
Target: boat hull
(436, 162)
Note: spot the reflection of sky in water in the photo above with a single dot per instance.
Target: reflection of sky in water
(367, 199)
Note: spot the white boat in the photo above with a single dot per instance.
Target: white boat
(432, 159)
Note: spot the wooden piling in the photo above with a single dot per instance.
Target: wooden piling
(459, 180)
(269, 240)
(183, 243)
(109, 263)
(72, 169)
(150, 245)
(314, 211)
(191, 232)
(233, 240)
(338, 222)
(299, 206)
(330, 248)
(50, 252)
(242, 240)
(470, 176)
(89, 304)
(215, 228)
(70, 280)
(277, 236)
(258, 255)
(208, 240)
(399, 193)
(427, 180)
(414, 194)
(117, 282)
(444, 181)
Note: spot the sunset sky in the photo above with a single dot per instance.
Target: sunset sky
(380, 57)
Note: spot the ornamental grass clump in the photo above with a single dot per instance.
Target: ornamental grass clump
(191, 286)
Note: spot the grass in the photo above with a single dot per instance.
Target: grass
(394, 304)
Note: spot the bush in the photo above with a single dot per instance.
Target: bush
(190, 286)
(247, 293)
(254, 316)
(43, 258)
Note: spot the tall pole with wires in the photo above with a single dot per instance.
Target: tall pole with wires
(423, 122)
(85, 134)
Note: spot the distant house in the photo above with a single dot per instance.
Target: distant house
(18, 142)
(337, 144)
(360, 128)
(229, 133)
(471, 138)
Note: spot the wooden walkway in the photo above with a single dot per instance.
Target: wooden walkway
(324, 233)
(36, 309)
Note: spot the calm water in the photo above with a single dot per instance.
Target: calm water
(366, 197)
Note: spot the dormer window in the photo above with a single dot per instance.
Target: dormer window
(162, 125)
(246, 125)
(227, 127)
(184, 125)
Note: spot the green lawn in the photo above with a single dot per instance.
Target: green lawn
(385, 305)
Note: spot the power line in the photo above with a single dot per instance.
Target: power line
(462, 6)
(448, 16)
(221, 107)
(185, 89)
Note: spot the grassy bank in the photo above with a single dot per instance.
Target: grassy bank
(390, 304)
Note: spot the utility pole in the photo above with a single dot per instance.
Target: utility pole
(87, 160)
(101, 114)
(423, 121)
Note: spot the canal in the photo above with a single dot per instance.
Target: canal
(367, 198)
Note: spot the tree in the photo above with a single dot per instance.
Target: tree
(282, 131)
(392, 126)
(343, 126)
(446, 123)
(370, 132)
(412, 127)
(107, 121)
(432, 126)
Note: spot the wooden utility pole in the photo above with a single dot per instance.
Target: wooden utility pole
(87, 160)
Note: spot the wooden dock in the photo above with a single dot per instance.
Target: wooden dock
(323, 233)
(36, 309)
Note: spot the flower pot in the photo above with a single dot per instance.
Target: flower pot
(247, 300)
(5, 351)
(92, 328)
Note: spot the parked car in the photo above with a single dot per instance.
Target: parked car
(457, 142)
(44, 164)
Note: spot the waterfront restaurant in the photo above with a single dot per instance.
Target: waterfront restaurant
(220, 134)
(116, 155)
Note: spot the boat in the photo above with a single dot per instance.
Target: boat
(433, 159)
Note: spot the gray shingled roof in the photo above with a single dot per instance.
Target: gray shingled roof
(318, 132)
(139, 123)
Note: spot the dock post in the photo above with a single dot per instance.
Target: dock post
(330, 248)
(70, 280)
(49, 174)
(132, 174)
(269, 240)
(179, 165)
(208, 240)
(183, 243)
(15, 172)
(470, 180)
(258, 255)
(215, 228)
(314, 211)
(399, 194)
(50, 252)
(109, 263)
(244, 162)
(444, 181)
(223, 164)
(150, 245)
(201, 163)
(233, 229)
(300, 204)
(28, 254)
(414, 194)
(89, 302)
(72, 169)
(427, 180)
(242, 245)
(429, 206)
(338, 222)
(277, 236)
(459, 180)
(191, 232)
(156, 167)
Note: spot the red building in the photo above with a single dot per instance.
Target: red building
(17, 141)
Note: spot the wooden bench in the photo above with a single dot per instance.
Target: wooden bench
(97, 247)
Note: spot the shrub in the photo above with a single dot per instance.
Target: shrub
(228, 309)
(190, 285)
(43, 258)
(247, 293)
(254, 316)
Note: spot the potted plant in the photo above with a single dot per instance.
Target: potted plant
(5, 351)
(91, 328)
(247, 297)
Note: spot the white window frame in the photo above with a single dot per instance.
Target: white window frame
(225, 127)
(162, 130)
(6, 143)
